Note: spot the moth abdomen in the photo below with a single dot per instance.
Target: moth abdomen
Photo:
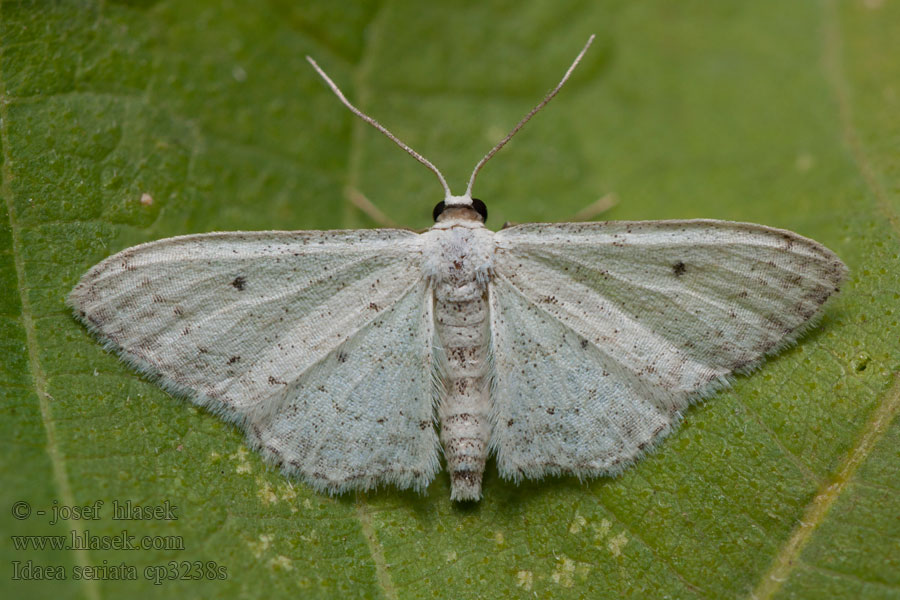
(465, 427)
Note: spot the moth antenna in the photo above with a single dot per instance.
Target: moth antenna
(527, 117)
(379, 126)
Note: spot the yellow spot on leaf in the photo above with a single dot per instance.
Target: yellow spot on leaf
(265, 540)
(265, 492)
(524, 579)
(281, 562)
(270, 495)
(565, 569)
(577, 524)
(243, 465)
(601, 530)
(311, 536)
(616, 544)
(498, 538)
(287, 491)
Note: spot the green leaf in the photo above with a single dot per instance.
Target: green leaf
(783, 113)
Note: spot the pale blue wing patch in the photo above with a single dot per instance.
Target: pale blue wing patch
(364, 415)
(561, 405)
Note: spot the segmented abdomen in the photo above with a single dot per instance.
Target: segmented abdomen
(462, 326)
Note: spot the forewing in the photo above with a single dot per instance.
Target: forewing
(252, 325)
(648, 315)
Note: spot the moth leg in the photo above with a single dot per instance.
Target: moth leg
(588, 213)
(359, 200)
(596, 208)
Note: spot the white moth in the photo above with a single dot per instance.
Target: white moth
(559, 348)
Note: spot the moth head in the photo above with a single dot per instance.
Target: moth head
(475, 211)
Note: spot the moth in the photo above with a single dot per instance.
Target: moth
(560, 348)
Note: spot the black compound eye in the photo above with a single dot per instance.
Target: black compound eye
(438, 209)
(477, 205)
(480, 208)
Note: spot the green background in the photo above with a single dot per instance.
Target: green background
(783, 113)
